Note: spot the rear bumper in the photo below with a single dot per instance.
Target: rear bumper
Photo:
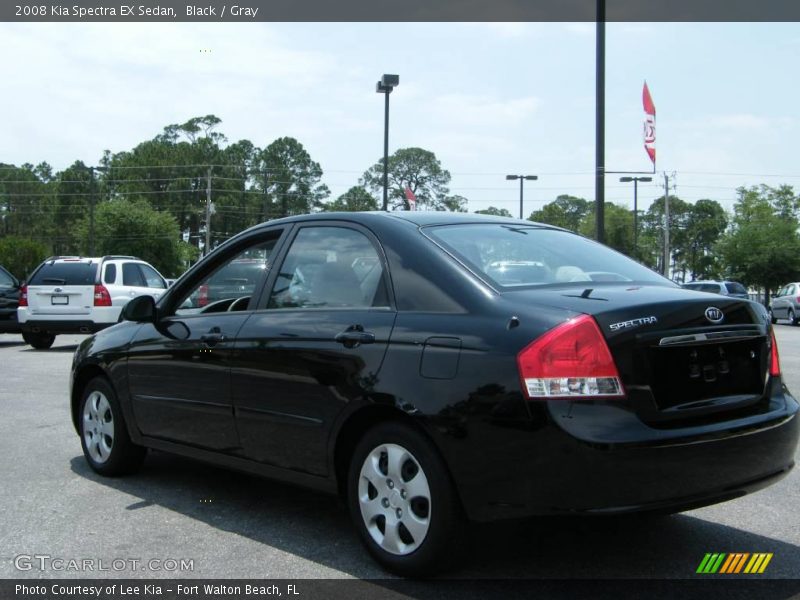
(564, 474)
(8, 321)
(54, 327)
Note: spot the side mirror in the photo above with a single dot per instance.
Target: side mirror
(141, 309)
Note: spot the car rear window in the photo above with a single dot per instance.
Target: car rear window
(65, 273)
(519, 255)
(5, 279)
(735, 288)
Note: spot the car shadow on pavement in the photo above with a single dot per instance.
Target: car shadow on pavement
(294, 520)
(69, 348)
(11, 343)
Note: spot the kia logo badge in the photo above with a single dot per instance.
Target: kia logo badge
(714, 314)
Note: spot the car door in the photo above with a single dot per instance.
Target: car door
(316, 344)
(179, 368)
(779, 304)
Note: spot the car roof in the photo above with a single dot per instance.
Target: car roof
(419, 218)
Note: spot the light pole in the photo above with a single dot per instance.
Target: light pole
(521, 179)
(385, 87)
(635, 181)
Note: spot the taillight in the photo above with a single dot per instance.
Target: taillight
(202, 295)
(23, 296)
(774, 359)
(101, 296)
(571, 360)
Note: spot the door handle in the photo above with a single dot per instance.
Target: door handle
(213, 337)
(354, 336)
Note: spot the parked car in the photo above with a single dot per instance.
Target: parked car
(724, 288)
(384, 357)
(71, 294)
(9, 299)
(786, 304)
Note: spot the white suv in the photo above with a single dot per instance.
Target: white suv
(71, 294)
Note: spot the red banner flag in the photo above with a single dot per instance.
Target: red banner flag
(412, 199)
(649, 124)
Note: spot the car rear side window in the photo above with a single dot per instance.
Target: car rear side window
(65, 273)
(111, 274)
(735, 288)
(329, 267)
(519, 255)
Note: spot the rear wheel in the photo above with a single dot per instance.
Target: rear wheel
(792, 318)
(772, 318)
(402, 502)
(104, 437)
(40, 341)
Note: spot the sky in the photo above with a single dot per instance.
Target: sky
(489, 99)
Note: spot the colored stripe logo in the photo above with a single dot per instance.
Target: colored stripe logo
(734, 563)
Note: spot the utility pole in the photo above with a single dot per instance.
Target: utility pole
(600, 124)
(207, 249)
(666, 225)
(91, 212)
(266, 197)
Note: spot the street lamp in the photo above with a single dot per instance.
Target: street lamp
(521, 179)
(635, 181)
(385, 87)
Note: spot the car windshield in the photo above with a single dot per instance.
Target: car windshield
(520, 255)
(65, 273)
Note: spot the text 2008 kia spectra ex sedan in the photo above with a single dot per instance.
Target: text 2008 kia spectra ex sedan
(432, 367)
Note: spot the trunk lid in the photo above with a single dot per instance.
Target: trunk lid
(680, 354)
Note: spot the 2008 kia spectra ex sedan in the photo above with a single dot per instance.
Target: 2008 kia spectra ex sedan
(432, 367)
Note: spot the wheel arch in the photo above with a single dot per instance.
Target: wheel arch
(359, 422)
(82, 377)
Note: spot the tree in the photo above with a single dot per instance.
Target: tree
(354, 199)
(418, 170)
(292, 181)
(762, 246)
(21, 255)
(497, 212)
(705, 224)
(135, 228)
(651, 238)
(618, 227)
(565, 211)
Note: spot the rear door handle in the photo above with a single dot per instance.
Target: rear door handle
(354, 336)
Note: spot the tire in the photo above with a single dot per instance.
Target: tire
(792, 319)
(398, 483)
(40, 341)
(106, 444)
(772, 318)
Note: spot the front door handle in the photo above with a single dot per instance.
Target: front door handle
(213, 337)
(354, 336)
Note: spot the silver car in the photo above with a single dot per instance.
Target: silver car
(786, 304)
(725, 288)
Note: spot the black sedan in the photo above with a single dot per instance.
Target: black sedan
(433, 368)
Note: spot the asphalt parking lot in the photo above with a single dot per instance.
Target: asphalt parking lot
(229, 525)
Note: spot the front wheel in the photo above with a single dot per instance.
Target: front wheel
(792, 318)
(772, 318)
(104, 437)
(402, 501)
(40, 341)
